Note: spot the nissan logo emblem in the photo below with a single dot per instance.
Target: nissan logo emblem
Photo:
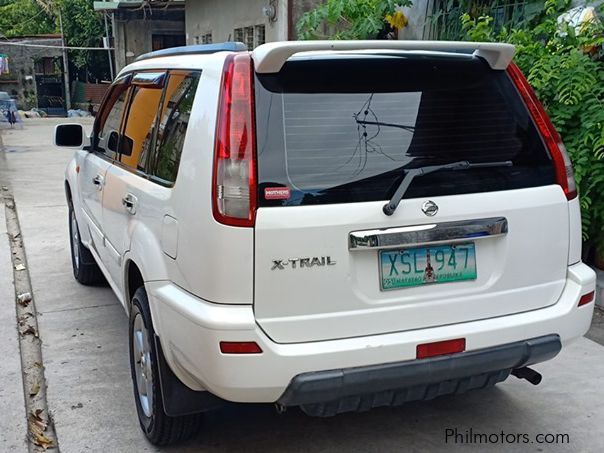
(430, 208)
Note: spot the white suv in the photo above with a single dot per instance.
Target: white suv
(330, 225)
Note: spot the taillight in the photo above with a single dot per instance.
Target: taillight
(562, 163)
(234, 177)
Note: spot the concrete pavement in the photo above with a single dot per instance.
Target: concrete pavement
(84, 333)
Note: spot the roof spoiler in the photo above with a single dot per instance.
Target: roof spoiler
(270, 58)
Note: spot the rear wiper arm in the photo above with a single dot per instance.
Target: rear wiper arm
(410, 175)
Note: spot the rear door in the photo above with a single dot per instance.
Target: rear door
(139, 187)
(335, 139)
(126, 180)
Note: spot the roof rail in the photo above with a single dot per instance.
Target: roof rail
(198, 49)
(269, 58)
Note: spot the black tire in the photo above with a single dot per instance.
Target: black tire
(159, 428)
(85, 269)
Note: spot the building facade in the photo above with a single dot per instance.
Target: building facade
(140, 26)
(32, 72)
(143, 26)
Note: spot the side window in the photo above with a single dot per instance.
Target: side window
(175, 115)
(140, 122)
(110, 119)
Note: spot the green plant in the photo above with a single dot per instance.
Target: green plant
(83, 27)
(347, 19)
(566, 69)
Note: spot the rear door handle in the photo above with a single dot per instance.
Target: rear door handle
(129, 202)
(98, 181)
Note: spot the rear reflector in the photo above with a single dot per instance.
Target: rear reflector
(240, 347)
(587, 298)
(441, 348)
(562, 164)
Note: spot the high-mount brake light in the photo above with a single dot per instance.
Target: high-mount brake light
(562, 163)
(234, 174)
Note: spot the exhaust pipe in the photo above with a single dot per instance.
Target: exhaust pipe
(529, 374)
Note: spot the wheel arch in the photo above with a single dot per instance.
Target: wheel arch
(133, 279)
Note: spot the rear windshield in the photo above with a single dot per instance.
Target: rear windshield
(344, 130)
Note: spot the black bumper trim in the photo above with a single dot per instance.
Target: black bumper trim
(360, 388)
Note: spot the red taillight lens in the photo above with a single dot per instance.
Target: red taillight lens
(587, 298)
(240, 347)
(234, 186)
(440, 348)
(562, 163)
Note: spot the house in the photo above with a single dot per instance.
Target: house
(143, 26)
(32, 72)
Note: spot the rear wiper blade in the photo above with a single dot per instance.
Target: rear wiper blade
(411, 174)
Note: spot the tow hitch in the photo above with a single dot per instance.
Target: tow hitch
(529, 374)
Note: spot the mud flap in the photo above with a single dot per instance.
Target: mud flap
(179, 399)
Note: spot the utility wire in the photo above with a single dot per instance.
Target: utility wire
(19, 44)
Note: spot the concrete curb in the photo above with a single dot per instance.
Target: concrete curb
(40, 426)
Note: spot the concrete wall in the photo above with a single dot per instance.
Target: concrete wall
(21, 66)
(133, 32)
(417, 15)
(221, 17)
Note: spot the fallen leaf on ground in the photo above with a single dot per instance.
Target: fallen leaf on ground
(36, 421)
(34, 389)
(30, 330)
(37, 364)
(42, 441)
(19, 267)
(24, 299)
(23, 319)
(37, 426)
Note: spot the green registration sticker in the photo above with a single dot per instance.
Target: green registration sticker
(425, 265)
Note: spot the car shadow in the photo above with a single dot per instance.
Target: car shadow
(412, 426)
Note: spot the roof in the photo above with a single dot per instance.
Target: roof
(199, 49)
(113, 5)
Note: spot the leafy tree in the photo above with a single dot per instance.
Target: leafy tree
(566, 69)
(23, 17)
(347, 19)
(82, 26)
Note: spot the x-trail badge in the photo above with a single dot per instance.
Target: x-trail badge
(430, 208)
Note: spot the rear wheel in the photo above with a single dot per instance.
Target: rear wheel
(85, 269)
(160, 429)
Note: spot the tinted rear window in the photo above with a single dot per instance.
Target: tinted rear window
(345, 130)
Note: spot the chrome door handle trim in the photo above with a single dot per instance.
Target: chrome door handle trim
(129, 202)
(459, 231)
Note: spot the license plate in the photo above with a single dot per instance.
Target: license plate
(426, 265)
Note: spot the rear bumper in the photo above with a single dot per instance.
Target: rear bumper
(330, 392)
(190, 330)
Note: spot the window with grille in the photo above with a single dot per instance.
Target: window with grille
(260, 35)
(206, 38)
(252, 36)
(249, 37)
(239, 35)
